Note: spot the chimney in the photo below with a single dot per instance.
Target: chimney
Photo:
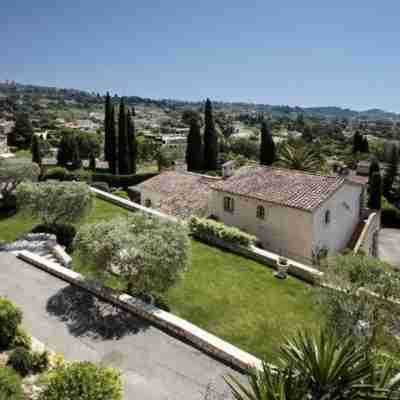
(228, 169)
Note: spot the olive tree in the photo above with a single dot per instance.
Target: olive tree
(362, 304)
(149, 253)
(13, 172)
(55, 203)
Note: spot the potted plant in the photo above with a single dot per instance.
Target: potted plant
(282, 266)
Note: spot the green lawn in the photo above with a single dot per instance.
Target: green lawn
(230, 296)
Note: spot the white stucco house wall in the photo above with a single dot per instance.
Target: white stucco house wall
(293, 213)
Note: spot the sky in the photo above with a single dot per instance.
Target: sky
(305, 53)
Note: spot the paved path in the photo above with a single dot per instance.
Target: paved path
(389, 246)
(74, 323)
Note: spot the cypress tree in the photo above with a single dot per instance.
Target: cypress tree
(375, 191)
(112, 142)
(107, 123)
(132, 144)
(357, 145)
(123, 162)
(36, 150)
(374, 167)
(194, 148)
(267, 147)
(210, 139)
(391, 171)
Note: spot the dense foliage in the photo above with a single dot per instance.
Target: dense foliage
(55, 203)
(10, 318)
(84, 381)
(207, 228)
(353, 311)
(10, 385)
(13, 172)
(122, 180)
(68, 151)
(150, 253)
(21, 360)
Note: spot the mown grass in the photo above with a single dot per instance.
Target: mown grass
(230, 296)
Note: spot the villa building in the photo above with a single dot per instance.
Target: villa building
(292, 213)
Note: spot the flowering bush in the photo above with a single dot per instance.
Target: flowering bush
(202, 227)
(83, 381)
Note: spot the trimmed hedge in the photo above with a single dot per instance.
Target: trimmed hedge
(63, 174)
(202, 227)
(10, 385)
(123, 180)
(390, 215)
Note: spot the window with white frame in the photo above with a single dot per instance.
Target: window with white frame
(229, 204)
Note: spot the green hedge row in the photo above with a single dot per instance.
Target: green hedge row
(62, 174)
(390, 215)
(202, 227)
(122, 180)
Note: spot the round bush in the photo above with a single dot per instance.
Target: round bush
(10, 318)
(58, 173)
(40, 362)
(21, 360)
(22, 339)
(65, 234)
(10, 385)
(83, 381)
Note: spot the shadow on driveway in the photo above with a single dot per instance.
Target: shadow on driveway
(85, 315)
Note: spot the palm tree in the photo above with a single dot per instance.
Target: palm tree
(319, 367)
(299, 157)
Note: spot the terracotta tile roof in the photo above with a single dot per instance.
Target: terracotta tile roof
(183, 193)
(286, 187)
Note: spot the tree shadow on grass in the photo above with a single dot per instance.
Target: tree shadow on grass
(85, 315)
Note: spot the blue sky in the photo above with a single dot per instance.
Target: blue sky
(302, 53)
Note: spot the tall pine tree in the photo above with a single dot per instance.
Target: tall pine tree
(267, 147)
(194, 148)
(373, 167)
(36, 150)
(112, 142)
(132, 143)
(123, 161)
(210, 139)
(391, 171)
(357, 142)
(107, 123)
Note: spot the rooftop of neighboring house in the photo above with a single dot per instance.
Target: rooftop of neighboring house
(183, 193)
(286, 187)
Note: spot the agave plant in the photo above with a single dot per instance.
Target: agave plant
(320, 367)
(299, 157)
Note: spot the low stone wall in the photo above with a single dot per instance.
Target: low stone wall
(61, 255)
(180, 328)
(129, 205)
(299, 270)
(367, 239)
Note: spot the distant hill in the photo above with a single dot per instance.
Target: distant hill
(81, 96)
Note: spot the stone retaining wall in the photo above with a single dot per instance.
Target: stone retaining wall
(180, 328)
(367, 241)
